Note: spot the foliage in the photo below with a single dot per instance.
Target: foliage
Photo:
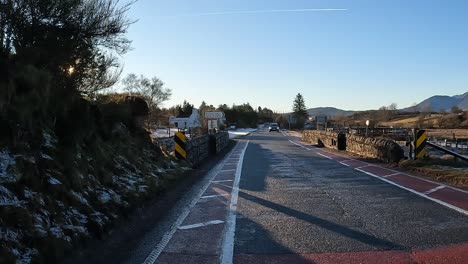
(300, 110)
(241, 115)
(76, 41)
(184, 110)
(150, 89)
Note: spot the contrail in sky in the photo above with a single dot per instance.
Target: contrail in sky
(262, 11)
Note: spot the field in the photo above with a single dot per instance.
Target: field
(448, 133)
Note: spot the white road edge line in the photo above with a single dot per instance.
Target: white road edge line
(213, 196)
(222, 181)
(418, 193)
(227, 170)
(153, 256)
(434, 189)
(325, 156)
(227, 251)
(214, 222)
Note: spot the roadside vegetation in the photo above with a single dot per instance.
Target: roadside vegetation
(72, 159)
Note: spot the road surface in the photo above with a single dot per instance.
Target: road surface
(274, 200)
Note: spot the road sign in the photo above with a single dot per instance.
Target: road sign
(420, 146)
(180, 142)
(214, 115)
(212, 124)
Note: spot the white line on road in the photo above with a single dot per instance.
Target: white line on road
(227, 252)
(214, 222)
(434, 189)
(222, 181)
(153, 256)
(227, 170)
(418, 193)
(390, 175)
(213, 196)
(324, 155)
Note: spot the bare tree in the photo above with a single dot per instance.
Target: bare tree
(151, 89)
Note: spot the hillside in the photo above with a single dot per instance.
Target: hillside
(440, 103)
(328, 111)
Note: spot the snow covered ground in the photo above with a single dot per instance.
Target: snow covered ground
(241, 132)
(164, 133)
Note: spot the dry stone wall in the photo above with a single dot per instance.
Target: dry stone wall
(200, 148)
(377, 148)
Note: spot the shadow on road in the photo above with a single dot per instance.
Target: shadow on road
(380, 244)
(253, 244)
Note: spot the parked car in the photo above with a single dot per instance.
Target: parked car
(273, 127)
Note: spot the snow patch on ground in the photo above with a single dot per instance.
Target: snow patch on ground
(6, 159)
(54, 181)
(240, 132)
(104, 197)
(48, 140)
(164, 133)
(80, 198)
(7, 198)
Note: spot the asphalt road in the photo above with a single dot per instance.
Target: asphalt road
(295, 204)
(271, 200)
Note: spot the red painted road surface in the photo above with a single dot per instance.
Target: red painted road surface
(446, 194)
(457, 254)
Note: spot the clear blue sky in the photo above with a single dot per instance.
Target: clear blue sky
(373, 54)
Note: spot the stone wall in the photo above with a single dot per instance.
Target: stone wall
(321, 138)
(200, 148)
(222, 141)
(377, 148)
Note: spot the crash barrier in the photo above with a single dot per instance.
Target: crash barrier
(456, 155)
(420, 143)
(377, 148)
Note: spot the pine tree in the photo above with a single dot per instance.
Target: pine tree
(299, 108)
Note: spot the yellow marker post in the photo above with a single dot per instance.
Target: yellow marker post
(420, 144)
(180, 143)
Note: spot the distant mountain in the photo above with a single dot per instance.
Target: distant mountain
(440, 103)
(328, 111)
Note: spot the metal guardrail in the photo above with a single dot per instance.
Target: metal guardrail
(464, 158)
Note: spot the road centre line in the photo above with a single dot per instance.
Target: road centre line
(154, 254)
(214, 222)
(227, 251)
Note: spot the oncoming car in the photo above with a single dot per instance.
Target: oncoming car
(273, 127)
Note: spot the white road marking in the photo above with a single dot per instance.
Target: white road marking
(214, 196)
(434, 189)
(222, 181)
(460, 210)
(324, 155)
(153, 256)
(390, 175)
(227, 170)
(418, 193)
(227, 251)
(342, 163)
(357, 168)
(214, 222)
(300, 145)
